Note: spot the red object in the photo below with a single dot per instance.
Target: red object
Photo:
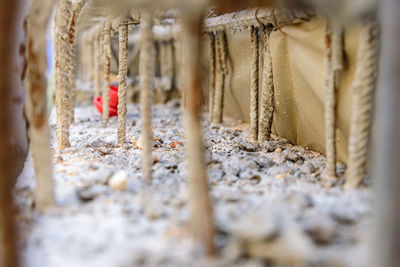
(113, 105)
(113, 96)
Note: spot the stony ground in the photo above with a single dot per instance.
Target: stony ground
(273, 204)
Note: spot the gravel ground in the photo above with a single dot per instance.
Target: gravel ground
(273, 204)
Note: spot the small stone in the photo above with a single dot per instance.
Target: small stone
(293, 156)
(119, 181)
(175, 144)
(89, 193)
(247, 146)
(278, 150)
(100, 176)
(268, 147)
(155, 159)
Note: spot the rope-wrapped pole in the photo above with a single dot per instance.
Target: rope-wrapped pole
(363, 95)
(146, 72)
(122, 79)
(202, 221)
(267, 94)
(333, 67)
(212, 74)
(76, 11)
(220, 77)
(254, 85)
(106, 70)
(62, 17)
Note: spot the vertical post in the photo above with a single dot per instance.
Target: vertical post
(254, 86)
(63, 12)
(386, 167)
(76, 11)
(122, 79)
(212, 70)
(333, 67)
(146, 71)
(202, 221)
(363, 95)
(166, 63)
(220, 77)
(9, 29)
(106, 70)
(267, 94)
(36, 104)
(97, 56)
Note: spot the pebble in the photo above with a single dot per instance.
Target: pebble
(119, 181)
(89, 193)
(247, 146)
(293, 156)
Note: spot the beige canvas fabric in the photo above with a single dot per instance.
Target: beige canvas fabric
(298, 67)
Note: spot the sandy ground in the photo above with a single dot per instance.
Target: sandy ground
(273, 204)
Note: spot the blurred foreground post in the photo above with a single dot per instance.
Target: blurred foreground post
(202, 221)
(36, 103)
(146, 72)
(387, 146)
(9, 28)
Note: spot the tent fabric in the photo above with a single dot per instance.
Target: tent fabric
(298, 66)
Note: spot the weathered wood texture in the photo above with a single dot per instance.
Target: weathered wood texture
(202, 220)
(36, 103)
(8, 20)
(62, 51)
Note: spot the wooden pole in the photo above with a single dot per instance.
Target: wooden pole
(106, 70)
(220, 77)
(386, 168)
(36, 104)
(333, 67)
(267, 106)
(146, 71)
(122, 79)
(10, 30)
(211, 91)
(254, 86)
(202, 221)
(62, 18)
(76, 11)
(363, 99)
(97, 57)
